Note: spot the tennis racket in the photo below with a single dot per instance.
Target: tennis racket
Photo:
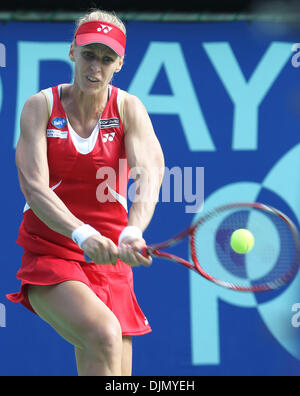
(271, 264)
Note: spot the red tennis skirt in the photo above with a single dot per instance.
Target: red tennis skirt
(113, 285)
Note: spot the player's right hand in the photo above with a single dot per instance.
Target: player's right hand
(101, 250)
(129, 252)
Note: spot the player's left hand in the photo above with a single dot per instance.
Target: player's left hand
(129, 252)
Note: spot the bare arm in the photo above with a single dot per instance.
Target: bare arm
(33, 171)
(145, 160)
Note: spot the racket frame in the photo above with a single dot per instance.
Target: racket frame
(155, 250)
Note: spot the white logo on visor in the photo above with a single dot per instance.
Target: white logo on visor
(104, 29)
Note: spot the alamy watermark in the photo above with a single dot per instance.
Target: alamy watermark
(296, 318)
(2, 55)
(176, 185)
(296, 56)
(2, 315)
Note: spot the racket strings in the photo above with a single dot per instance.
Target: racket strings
(272, 261)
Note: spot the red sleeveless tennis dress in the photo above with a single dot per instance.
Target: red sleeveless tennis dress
(90, 176)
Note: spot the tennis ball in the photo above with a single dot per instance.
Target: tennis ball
(242, 241)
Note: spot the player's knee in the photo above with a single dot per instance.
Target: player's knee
(105, 341)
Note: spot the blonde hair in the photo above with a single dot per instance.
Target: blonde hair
(100, 15)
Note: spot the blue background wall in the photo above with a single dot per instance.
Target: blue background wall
(223, 96)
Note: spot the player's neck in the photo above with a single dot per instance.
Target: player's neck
(86, 106)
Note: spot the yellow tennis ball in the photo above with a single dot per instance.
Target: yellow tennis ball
(242, 241)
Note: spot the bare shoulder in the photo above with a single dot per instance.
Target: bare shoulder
(34, 114)
(132, 103)
(134, 111)
(36, 104)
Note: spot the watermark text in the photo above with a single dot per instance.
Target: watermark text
(2, 55)
(296, 56)
(2, 315)
(152, 185)
(296, 317)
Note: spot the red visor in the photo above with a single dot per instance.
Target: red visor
(103, 33)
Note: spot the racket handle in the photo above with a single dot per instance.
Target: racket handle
(144, 252)
(87, 258)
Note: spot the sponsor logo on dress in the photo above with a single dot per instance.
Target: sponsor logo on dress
(110, 123)
(54, 133)
(59, 122)
(108, 137)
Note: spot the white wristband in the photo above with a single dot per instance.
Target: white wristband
(82, 233)
(131, 232)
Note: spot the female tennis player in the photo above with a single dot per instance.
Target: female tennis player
(77, 144)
